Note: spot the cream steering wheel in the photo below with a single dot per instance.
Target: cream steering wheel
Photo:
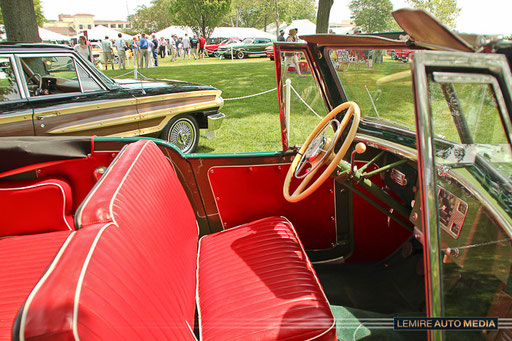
(318, 151)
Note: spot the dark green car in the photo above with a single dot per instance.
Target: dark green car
(248, 47)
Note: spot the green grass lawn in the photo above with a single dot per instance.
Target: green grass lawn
(251, 124)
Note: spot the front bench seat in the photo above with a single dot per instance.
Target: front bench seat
(129, 273)
(255, 282)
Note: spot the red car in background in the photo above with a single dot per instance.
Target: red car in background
(402, 55)
(269, 51)
(210, 49)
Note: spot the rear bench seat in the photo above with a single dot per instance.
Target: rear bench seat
(134, 270)
(35, 222)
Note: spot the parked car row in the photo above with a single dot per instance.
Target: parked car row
(249, 47)
(211, 49)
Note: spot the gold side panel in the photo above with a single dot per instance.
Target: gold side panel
(17, 124)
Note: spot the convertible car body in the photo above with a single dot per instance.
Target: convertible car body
(398, 204)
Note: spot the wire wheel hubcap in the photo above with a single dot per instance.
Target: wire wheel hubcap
(182, 135)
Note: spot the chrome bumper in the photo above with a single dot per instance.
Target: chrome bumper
(214, 123)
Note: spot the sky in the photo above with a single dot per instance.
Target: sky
(477, 16)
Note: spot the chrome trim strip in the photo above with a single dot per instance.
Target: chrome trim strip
(427, 185)
(386, 145)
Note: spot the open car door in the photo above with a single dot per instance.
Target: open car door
(464, 139)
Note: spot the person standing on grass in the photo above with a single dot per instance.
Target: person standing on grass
(144, 52)
(154, 50)
(186, 46)
(281, 36)
(83, 48)
(162, 44)
(135, 52)
(292, 58)
(174, 49)
(121, 51)
(202, 43)
(193, 46)
(106, 47)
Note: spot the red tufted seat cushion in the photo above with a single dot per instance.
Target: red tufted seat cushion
(35, 206)
(23, 260)
(255, 282)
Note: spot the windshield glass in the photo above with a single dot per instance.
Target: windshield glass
(379, 81)
(107, 80)
(467, 105)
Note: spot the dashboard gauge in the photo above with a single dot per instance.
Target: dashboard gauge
(452, 212)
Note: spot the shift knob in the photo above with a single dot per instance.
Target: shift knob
(360, 148)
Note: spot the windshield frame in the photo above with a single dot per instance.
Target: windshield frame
(424, 64)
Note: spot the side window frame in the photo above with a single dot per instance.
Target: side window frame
(23, 79)
(17, 76)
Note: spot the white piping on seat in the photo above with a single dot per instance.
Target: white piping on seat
(98, 185)
(197, 290)
(40, 284)
(81, 280)
(46, 184)
(316, 279)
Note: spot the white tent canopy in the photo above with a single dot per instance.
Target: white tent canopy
(240, 32)
(219, 32)
(304, 26)
(179, 31)
(47, 35)
(100, 32)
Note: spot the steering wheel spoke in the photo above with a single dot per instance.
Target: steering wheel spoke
(318, 150)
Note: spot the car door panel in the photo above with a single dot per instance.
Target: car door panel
(238, 190)
(86, 114)
(16, 119)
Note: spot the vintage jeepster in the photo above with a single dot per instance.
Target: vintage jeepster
(398, 204)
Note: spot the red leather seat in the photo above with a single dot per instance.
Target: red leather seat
(130, 271)
(23, 260)
(255, 282)
(35, 206)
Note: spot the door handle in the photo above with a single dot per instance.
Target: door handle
(42, 117)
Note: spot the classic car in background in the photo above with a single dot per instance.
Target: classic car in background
(398, 203)
(249, 47)
(51, 90)
(269, 51)
(401, 55)
(211, 49)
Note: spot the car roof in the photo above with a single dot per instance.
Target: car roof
(32, 47)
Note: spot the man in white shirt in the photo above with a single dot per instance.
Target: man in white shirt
(186, 46)
(121, 51)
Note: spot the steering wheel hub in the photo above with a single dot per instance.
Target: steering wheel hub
(318, 151)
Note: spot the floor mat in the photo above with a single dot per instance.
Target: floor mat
(392, 286)
(355, 324)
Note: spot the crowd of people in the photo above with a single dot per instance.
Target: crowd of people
(145, 50)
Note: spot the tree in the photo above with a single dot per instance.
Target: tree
(20, 20)
(39, 13)
(260, 13)
(322, 16)
(152, 18)
(446, 11)
(301, 9)
(201, 15)
(372, 15)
